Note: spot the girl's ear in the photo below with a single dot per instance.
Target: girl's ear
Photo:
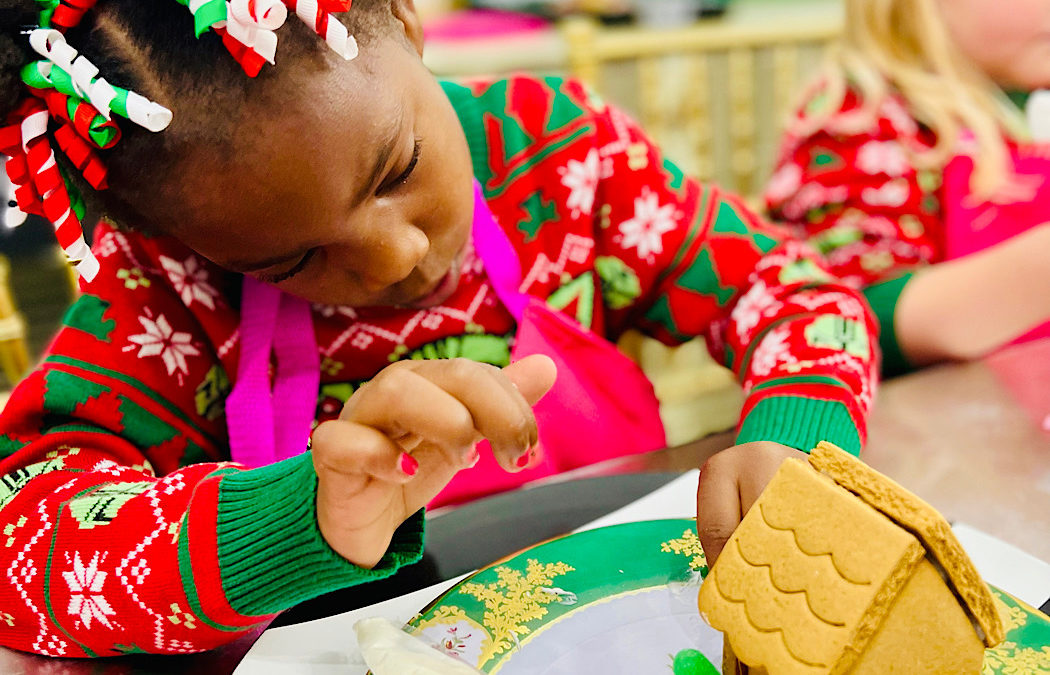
(405, 12)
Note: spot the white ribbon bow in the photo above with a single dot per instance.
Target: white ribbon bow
(255, 29)
(95, 90)
(335, 35)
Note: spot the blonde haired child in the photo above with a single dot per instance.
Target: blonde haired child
(909, 152)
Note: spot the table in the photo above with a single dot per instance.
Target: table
(327, 646)
(970, 438)
(973, 441)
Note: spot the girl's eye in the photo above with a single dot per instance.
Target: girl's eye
(402, 178)
(296, 269)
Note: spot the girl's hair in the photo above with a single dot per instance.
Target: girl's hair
(904, 47)
(149, 46)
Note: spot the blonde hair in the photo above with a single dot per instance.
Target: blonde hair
(904, 47)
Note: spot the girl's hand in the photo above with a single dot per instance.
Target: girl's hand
(730, 482)
(403, 436)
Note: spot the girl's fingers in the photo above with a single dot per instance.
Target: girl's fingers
(434, 474)
(718, 509)
(498, 411)
(356, 452)
(533, 376)
(405, 405)
(453, 404)
(358, 464)
(730, 483)
(502, 405)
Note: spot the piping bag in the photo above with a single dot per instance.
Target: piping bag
(388, 650)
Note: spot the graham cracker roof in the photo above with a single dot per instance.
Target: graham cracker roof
(796, 586)
(922, 520)
(808, 576)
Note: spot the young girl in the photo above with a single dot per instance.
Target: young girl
(515, 224)
(909, 153)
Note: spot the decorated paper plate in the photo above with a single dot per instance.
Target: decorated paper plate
(623, 599)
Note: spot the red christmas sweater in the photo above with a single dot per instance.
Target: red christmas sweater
(852, 189)
(125, 530)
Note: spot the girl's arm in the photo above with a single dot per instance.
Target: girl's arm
(680, 260)
(855, 194)
(852, 190)
(123, 531)
(962, 309)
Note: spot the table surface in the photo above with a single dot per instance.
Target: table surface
(972, 439)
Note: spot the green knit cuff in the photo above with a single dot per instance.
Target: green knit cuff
(883, 298)
(271, 553)
(800, 423)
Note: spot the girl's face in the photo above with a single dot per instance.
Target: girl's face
(348, 185)
(1007, 39)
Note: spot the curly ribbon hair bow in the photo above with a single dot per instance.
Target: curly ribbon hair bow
(66, 92)
(248, 27)
(41, 186)
(65, 89)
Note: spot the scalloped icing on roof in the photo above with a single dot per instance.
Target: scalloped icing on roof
(807, 578)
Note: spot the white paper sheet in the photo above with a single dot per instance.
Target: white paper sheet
(328, 646)
(1020, 574)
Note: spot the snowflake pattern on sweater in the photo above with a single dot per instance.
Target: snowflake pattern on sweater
(852, 188)
(125, 528)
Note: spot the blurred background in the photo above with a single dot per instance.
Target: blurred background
(711, 80)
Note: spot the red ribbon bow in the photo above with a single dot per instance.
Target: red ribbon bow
(334, 6)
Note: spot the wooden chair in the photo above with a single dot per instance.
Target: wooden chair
(14, 354)
(713, 96)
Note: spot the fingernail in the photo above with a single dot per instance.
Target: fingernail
(409, 464)
(524, 459)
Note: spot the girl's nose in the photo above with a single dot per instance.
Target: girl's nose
(386, 256)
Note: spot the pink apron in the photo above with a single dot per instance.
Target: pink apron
(971, 226)
(601, 406)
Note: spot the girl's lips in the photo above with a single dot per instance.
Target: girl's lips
(444, 288)
(446, 285)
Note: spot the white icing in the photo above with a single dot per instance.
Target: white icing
(388, 650)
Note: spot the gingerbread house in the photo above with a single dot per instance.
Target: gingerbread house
(838, 569)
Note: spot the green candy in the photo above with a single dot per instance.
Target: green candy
(692, 662)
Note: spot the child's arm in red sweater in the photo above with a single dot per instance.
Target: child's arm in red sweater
(122, 532)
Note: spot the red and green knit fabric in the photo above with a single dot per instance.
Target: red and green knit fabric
(852, 188)
(124, 530)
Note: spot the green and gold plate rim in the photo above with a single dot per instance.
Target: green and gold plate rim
(541, 584)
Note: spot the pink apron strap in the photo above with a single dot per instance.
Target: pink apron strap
(601, 406)
(298, 378)
(258, 435)
(501, 260)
